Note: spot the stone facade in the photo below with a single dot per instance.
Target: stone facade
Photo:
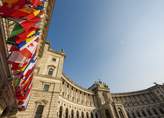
(54, 95)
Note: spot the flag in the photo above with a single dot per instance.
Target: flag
(15, 4)
(22, 105)
(24, 81)
(27, 42)
(17, 30)
(5, 11)
(30, 49)
(22, 94)
(23, 36)
(10, 6)
(17, 57)
(29, 24)
(32, 15)
(35, 3)
(17, 14)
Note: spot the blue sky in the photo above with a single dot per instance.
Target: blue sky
(120, 42)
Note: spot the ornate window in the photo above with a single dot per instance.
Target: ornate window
(51, 71)
(39, 111)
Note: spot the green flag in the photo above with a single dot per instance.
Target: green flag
(17, 30)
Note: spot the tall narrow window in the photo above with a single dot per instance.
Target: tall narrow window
(72, 114)
(96, 115)
(50, 71)
(60, 112)
(39, 111)
(77, 113)
(82, 114)
(66, 113)
(91, 115)
(87, 115)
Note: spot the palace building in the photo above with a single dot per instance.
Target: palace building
(54, 95)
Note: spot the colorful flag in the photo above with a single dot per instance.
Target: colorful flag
(26, 43)
(15, 4)
(17, 57)
(22, 105)
(23, 36)
(17, 30)
(32, 15)
(30, 49)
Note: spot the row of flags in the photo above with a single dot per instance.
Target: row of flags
(24, 39)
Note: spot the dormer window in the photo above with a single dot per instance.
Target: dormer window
(51, 71)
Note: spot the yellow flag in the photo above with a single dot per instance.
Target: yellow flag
(31, 33)
(36, 12)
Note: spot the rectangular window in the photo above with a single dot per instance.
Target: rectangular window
(46, 87)
(39, 111)
(53, 59)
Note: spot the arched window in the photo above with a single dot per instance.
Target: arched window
(82, 114)
(39, 111)
(91, 115)
(77, 114)
(50, 71)
(60, 112)
(72, 113)
(66, 113)
(107, 113)
(87, 115)
(120, 113)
